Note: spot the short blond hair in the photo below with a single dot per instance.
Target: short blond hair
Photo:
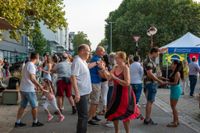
(122, 55)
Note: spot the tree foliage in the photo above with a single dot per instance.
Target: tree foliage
(39, 42)
(172, 18)
(23, 15)
(80, 38)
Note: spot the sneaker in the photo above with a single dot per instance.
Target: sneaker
(109, 124)
(19, 124)
(92, 122)
(150, 122)
(38, 124)
(50, 117)
(62, 117)
(96, 118)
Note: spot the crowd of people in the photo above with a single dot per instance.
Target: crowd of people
(101, 84)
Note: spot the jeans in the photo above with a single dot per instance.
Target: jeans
(30, 97)
(137, 88)
(193, 81)
(151, 89)
(82, 108)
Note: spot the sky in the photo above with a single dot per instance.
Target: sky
(89, 16)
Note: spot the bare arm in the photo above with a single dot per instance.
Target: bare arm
(152, 76)
(91, 65)
(49, 69)
(74, 84)
(35, 82)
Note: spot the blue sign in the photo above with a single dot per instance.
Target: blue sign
(184, 50)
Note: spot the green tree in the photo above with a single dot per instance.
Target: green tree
(23, 15)
(39, 42)
(80, 38)
(172, 18)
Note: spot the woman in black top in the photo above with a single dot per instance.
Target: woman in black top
(175, 89)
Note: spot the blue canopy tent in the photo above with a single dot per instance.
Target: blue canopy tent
(186, 44)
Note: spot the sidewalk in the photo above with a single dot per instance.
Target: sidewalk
(188, 107)
(69, 124)
(7, 117)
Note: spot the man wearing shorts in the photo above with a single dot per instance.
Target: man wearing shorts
(96, 86)
(63, 69)
(28, 94)
(150, 83)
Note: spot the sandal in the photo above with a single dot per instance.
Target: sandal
(173, 124)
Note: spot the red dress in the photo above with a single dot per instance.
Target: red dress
(123, 103)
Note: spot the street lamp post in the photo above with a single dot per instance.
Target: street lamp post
(136, 39)
(111, 23)
(151, 32)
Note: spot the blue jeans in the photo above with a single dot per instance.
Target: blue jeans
(30, 97)
(151, 89)
(137, 88)
(193, 81)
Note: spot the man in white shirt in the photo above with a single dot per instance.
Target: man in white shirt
(81, 82)
(28, 93)
(136, 71)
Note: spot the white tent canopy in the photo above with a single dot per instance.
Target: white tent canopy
(187, 40)
(188, 43)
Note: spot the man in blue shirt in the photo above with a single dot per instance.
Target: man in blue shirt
(96, 86)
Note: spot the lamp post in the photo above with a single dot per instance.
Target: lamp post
(151, 32)
(136, 39)
(111, 23)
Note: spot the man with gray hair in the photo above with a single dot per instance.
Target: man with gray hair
(96, 86)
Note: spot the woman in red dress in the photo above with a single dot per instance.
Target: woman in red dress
(123, 104)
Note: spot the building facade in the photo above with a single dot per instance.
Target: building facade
(12, 50)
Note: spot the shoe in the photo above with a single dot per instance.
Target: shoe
(73, 110)
(92, 122)
(56, 113)
(109, 124)
(38, 124)
(96, 118)
(62, 117)
(50, 117)
(173, 124)
(150, 122)
(19, 124)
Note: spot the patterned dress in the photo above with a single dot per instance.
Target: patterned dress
(123, 103)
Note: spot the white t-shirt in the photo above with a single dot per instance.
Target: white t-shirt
(26, 84)
(136, 71)
(81, 71)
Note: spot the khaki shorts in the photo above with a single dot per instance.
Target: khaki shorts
(95, 94)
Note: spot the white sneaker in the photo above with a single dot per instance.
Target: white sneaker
(109, 124)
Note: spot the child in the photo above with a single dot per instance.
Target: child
(51, 100)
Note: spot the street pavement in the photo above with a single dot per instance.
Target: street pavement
(69, 124)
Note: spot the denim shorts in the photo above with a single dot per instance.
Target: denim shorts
(151, 89)
(29, 97)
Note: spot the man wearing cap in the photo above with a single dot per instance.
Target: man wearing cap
(193, 72)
